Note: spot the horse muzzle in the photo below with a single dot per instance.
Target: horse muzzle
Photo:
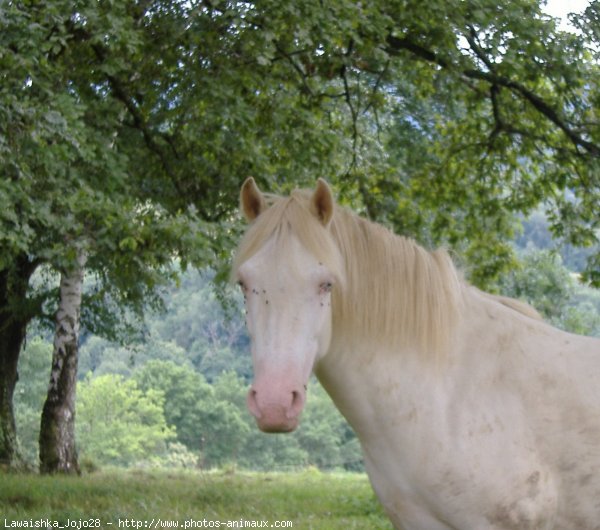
(276, 409)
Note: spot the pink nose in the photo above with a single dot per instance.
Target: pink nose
(276, 411)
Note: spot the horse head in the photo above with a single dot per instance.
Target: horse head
(287, 288)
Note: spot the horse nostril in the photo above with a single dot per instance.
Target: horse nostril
(297, 404)
(252, 403)
(295, 396)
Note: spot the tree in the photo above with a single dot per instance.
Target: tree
(58, 452)
(66, 180)
(488, 120)
(13, 324)
(544, 282)
(210, 331)
(120, 424)
(477, 106)
(322, 430)
(536, 235)
(203, 422)
(100, 357)
(30, 394)
(113, 127)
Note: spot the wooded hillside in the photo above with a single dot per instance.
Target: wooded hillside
(177, 397)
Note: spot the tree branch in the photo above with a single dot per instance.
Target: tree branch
(471, 38)
(303, 76)
(353, 110)
(139, 122)
(397, 44)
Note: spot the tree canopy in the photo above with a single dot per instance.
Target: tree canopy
(129, 126)
(449, 119)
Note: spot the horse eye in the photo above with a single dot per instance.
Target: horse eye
(242, 285)
(325, 287)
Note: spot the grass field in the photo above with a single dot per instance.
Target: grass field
(161, 499)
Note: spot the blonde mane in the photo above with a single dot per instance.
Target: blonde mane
(388, 290)
(397, 292)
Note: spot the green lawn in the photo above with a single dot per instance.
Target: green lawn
(161, 499)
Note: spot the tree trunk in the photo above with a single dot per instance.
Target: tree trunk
(15, 314)
(12, 335)
(58, 452)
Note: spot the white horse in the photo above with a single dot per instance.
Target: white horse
(471, 411)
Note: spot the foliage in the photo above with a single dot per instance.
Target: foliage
(117, 423)
(502, 142)
(324, 434)
(205, 424)
(132, 125)
(552, 289)
(196, 327)
(68, 178)
(30, 393)
(103, 357)
(536, 234)
(34, 368)
(212, 420)
(542, 281)
(211, 333)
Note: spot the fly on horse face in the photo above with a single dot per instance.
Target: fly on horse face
(471, 411)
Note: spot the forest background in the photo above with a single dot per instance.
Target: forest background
(127, 127)
(177, 397)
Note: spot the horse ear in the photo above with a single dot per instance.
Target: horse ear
(322, 202)
(252, 201)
